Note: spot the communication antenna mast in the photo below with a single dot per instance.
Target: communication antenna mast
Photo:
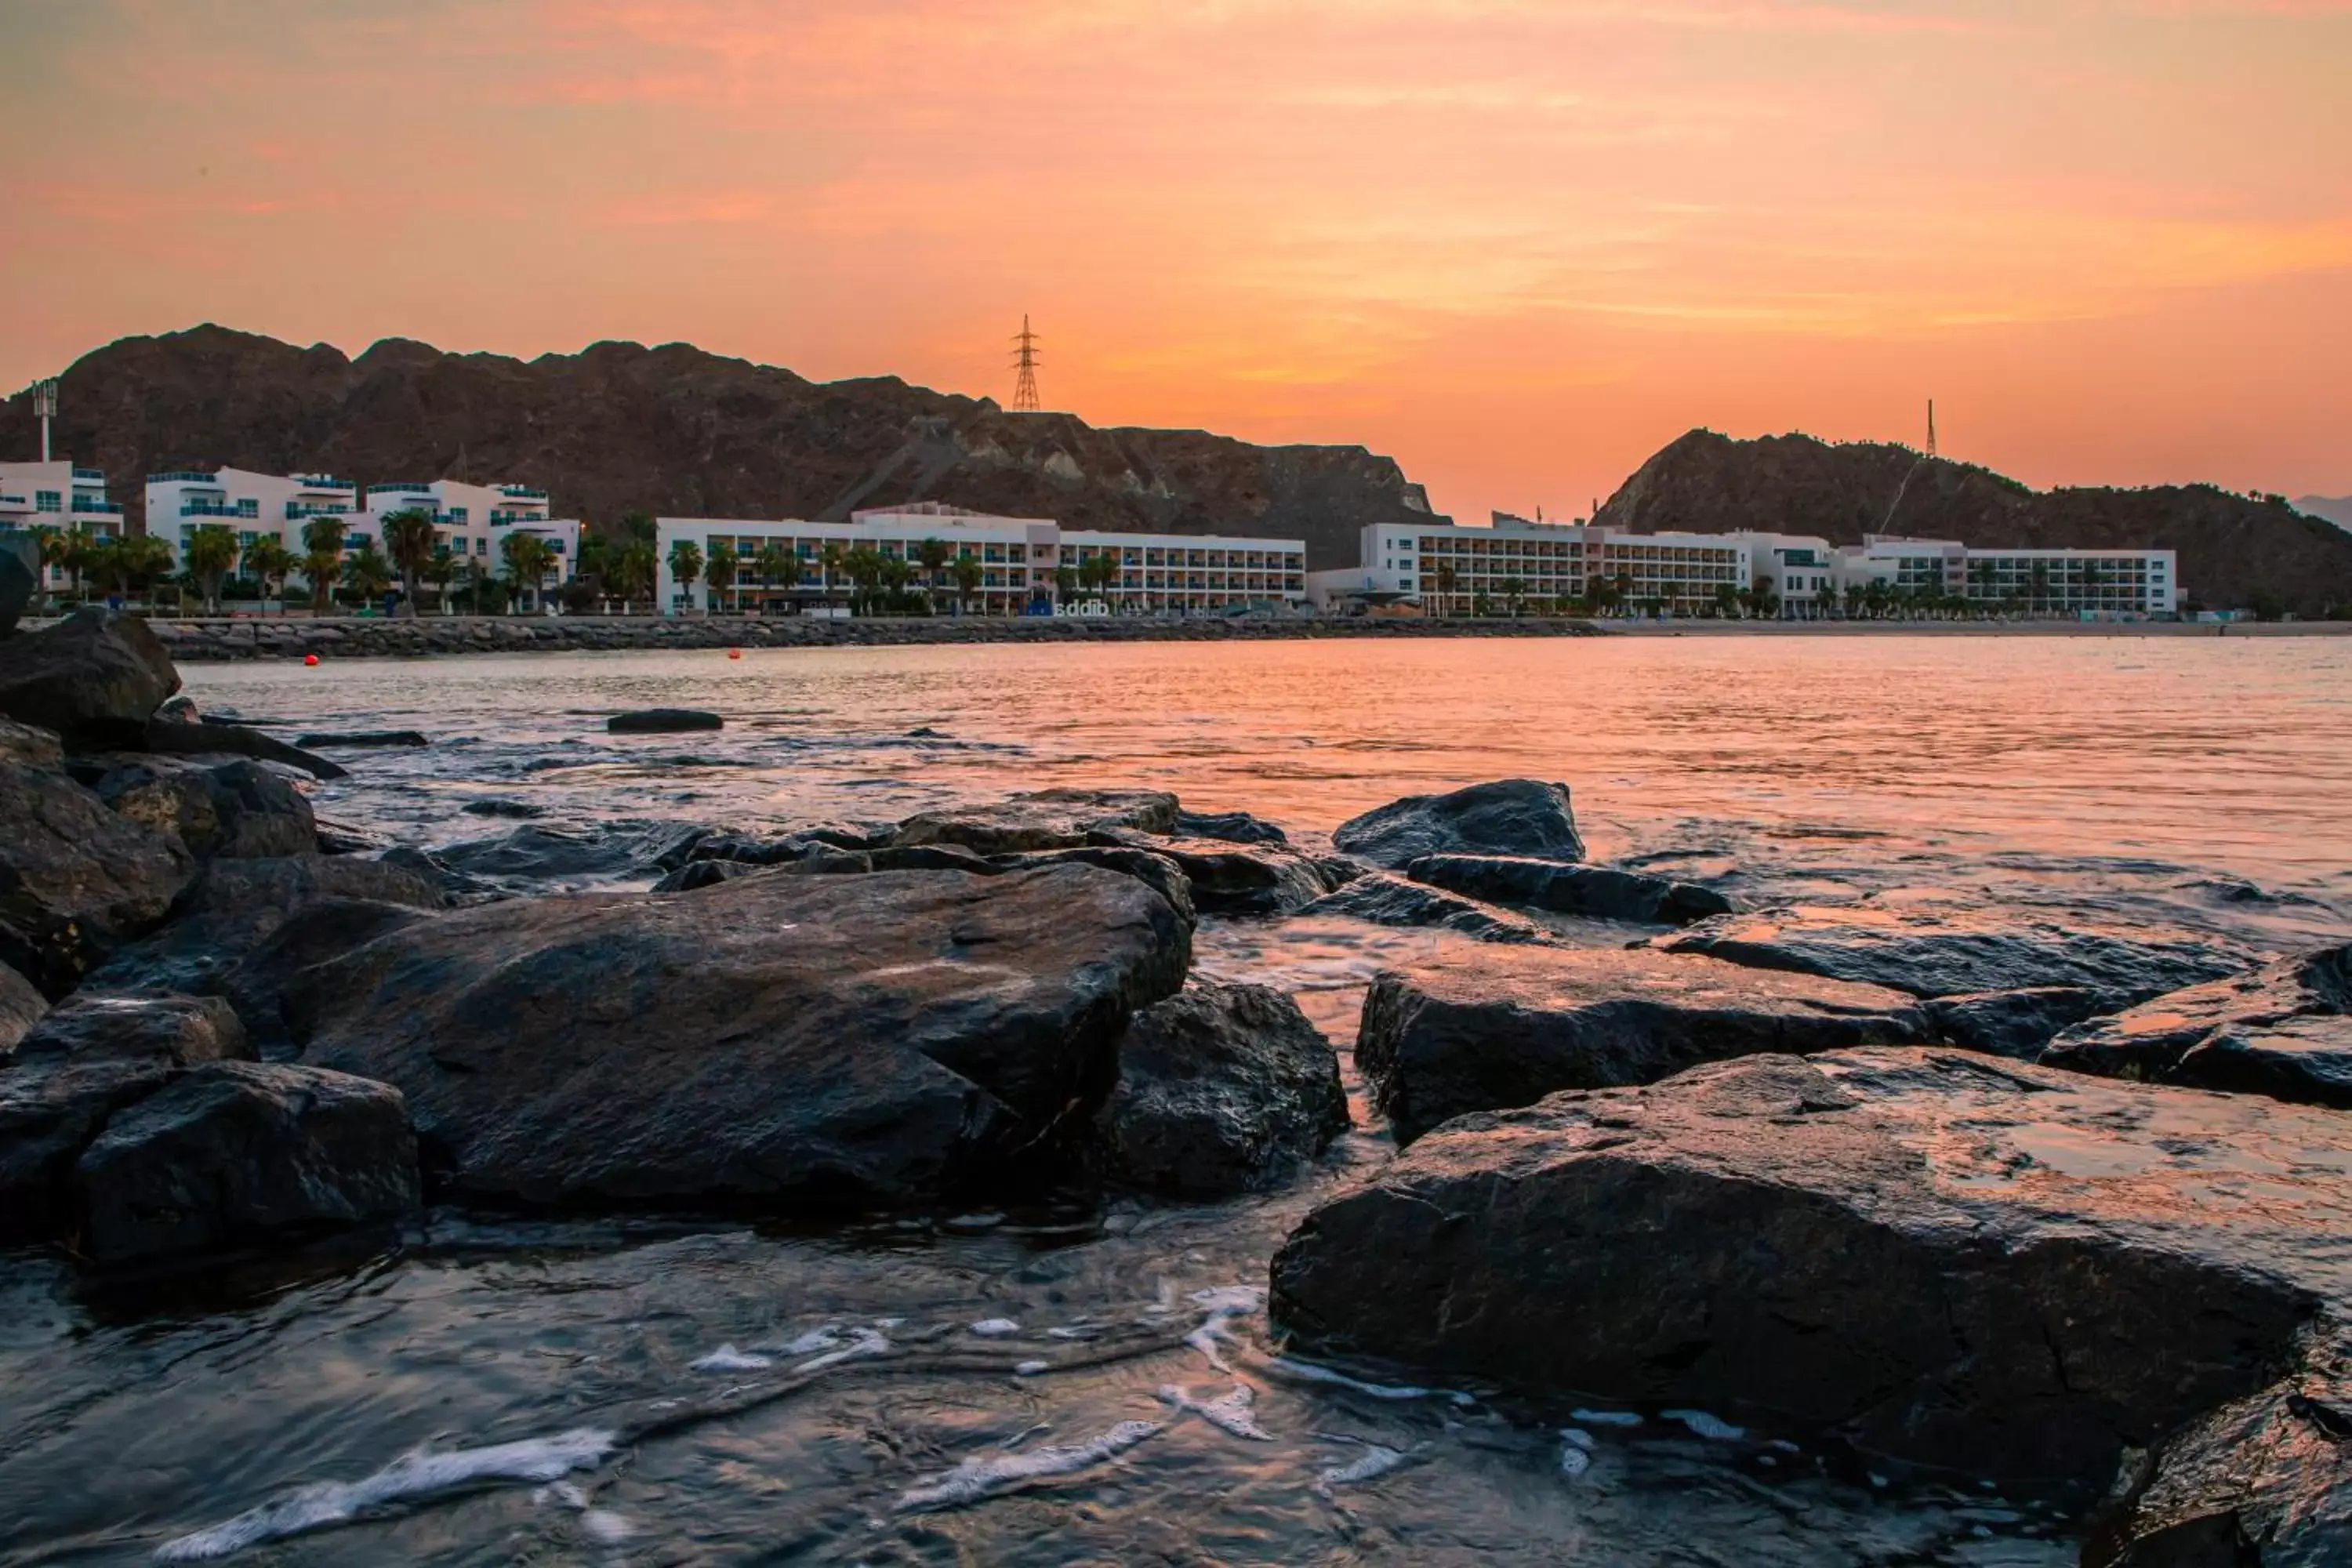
(1024, 386)
(1931, 426)
(45, 405)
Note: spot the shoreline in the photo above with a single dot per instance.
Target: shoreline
(214, 640)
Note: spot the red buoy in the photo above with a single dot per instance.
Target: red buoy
(734, 653)
(309, 658)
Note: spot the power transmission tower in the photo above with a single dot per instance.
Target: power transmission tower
(1024, 387)
(45, 407)
(1931, 426)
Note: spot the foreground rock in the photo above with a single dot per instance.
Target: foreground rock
(664, 721)
(1043, 819)
(1509, 816)
(1381, 900)
(1233, 826)
(2015, 1024)
(1222, 1089)
(20, 578)
(364, 739)
(807, 1040)
(2003, 1269)
(94, 678)
(1232, 878)
(21, 1006)
(536, 857)
(209, 738)
(240, 1153)
(1933, 955)
(232, 810)
(1596, 891)
(249, 926)
(76, 880)
(2281, 1031)
(1473, 1028)
(28, 746)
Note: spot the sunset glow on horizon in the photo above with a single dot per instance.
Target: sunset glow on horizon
(1518, 245)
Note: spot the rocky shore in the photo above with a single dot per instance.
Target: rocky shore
(296, 637)
(1994, 1198)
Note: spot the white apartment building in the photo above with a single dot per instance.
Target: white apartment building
(1017, 557)
(253, 506)
(57, 495)
(471, 520)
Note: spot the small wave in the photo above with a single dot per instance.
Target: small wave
(1376, 1460)
(727, 1358)
(1228, 1412)
(1400, 1391)
(984, 1476)
(1702, 1424)
(419, 1474)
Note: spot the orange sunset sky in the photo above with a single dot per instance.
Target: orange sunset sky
(1518, 244)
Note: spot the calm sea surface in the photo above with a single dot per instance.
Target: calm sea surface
(2183, 781)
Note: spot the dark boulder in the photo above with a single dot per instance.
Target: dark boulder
(1931, 954)
(1222, 1089)
(21, 1006)
(213, 740)
(76, 880)
(28, 747)
(1233, 826)
(663, 722)
(1158, 872)
(1044, 819)
(1385, 901)
(94, 678)
(926, 857)
(233, 809)
(2281, 1031)
(343, 838)
(802, 1041)
(1945, 1258)
(536, 857)
(360, 739)
(514, 810)
(1508, 816)
(243, 1151)
(455, 886)
(2264, 1481)
(1596, 891)
(176, 1031)
(702, 874)
(1231, 879)
(1469, 1027)
(2014, 1024)
(20, 578)
(248, 926)
(825, 860)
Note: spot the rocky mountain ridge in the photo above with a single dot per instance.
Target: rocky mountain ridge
(2235, 551)
(677, 431)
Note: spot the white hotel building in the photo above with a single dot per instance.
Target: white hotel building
(57, 495)
(1449, 569)
(1018, 557)
(468, 519)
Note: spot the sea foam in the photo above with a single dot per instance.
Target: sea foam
(985, 1476)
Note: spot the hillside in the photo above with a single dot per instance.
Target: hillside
(2336, 510)
(2232, 549)
(620, 427)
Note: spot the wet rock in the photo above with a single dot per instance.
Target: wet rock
(1560, 887)
(663, 722)
(1233, 826)
(28, 747)
(210, 739)
(21, 1006)
(76, 880)
(343, 838)
(928, 858)
(1043, 819)
(1230, 878)
(1387, 900)
(491, 806)
(2264, 1480)
(248, 926)
(94, 678)
(176, 1031)
(364, 738)
(236, 809)
(1158, 872)
(20, 578)
(2280, 1031)
(1949, 1260)
(1952, 955)
(180, 709)
(1470, 1027)
(702, 874)
(798, 1041)
(243, 1151)
(534, 857)
(2014, 1024)
(825, 860)
(1222, 1089)
(455, 886)
(1508, 816)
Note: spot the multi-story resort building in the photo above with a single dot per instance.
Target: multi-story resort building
(253, 506)
(57, 495)
(470, 521)
(1448, 569)
(1018, 560)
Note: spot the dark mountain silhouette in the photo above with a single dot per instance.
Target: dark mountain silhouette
(2235, 551)
(676, 431)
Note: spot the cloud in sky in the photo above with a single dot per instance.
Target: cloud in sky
(1517, 242)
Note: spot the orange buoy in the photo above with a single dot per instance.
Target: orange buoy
(309, 658)
(734, 653)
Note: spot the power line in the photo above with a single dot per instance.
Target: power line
(1024, 386)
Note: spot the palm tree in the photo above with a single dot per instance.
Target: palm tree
(366, 572)
(1514, 590)
(322, 557)
(2040, 595)
(719, 572)
(777, 565)
(409, 540)
(686, 564)
(269, 561)
(830, 558)
(636, 571)
(528, 557)
(1065, 583)
(442, 571)
(934, 555)
(967, 574)
(1446, 578)
(864, 563)
(211, 555)
(1099, 571)
(64, 548)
